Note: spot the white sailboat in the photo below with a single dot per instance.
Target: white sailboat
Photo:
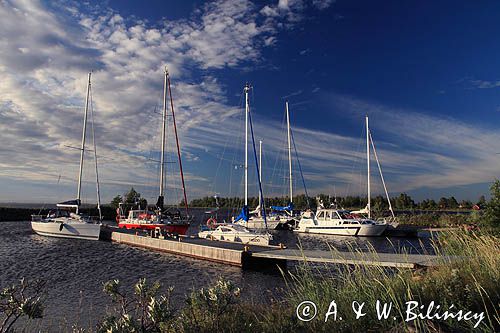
(343, 222)
(282, 217)
(63, 222)
(238, 229)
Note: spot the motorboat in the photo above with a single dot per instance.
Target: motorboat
(339, 222)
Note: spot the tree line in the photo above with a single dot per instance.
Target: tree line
(401, 202)
(378, 203)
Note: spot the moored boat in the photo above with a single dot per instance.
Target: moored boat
(149, 220)
(339, 222)
(63, 222)
(236, 233)
(349, 223)
(173, 223)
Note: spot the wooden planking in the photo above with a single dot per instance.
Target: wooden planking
(234, 254)
(354, 258)
(217, 254)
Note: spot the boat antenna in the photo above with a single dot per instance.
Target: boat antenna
(82, 147)
(167, 75)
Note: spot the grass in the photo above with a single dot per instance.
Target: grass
(471, 284)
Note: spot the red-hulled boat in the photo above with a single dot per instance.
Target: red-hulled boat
(147, 220)
(165, 220)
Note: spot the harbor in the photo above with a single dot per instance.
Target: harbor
(249, 166)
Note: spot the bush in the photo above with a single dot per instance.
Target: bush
(20, 300)
(144, 312)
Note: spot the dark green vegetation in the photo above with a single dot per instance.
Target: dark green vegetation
(379, 203)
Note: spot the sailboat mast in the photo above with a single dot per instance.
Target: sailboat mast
(247, 110)
(95, 159)
(164, 118)
(177, 143)
(260, 170)
(289, 151)
(82, 149)
(368, 166)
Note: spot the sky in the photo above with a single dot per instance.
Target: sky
(426, 73)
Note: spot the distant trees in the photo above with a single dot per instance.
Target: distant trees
(492, 213)
(115, 203)
(130, 199)
(378, 203)
(404, 202)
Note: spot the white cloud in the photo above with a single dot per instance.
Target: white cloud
(323, 4)
(42, 92)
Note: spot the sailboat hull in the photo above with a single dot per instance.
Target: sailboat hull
(180, 229)
(67, 229)
(258, 223)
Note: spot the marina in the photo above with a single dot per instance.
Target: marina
(327, 166)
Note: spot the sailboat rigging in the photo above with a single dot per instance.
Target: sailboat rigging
(63, 222)
(172, 223)
(335, 221)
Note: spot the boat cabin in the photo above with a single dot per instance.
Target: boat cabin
(333, 214)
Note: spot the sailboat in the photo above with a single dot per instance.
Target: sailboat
(173, 223)
(238, 231)
(281, 217)
(334, 221)
(63, 222)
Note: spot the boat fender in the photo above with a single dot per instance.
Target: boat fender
(61, 227)
(211, 222)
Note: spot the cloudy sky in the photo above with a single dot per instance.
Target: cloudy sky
(427, 74)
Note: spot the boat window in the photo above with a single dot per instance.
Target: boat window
(327, 215)
(346, 215)
(321, 215)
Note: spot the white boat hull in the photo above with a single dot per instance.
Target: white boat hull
(246, 237)
(362, 230)
(71, 229)
(359, 230)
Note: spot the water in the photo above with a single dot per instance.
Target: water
(75, 270)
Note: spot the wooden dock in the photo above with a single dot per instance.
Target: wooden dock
(354, 258)
(260, 257)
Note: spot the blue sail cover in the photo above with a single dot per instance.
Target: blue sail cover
(70, 203)
(288, 208)
(243, 214)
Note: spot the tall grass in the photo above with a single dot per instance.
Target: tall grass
(468, 277)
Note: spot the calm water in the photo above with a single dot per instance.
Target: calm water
(75, 270)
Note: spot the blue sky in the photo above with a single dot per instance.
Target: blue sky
(427, 74)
